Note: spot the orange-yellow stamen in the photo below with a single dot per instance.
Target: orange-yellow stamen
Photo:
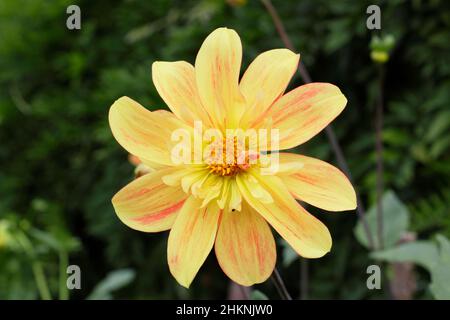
(228, 163)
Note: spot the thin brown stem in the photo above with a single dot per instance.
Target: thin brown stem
(245, 292)
(284, 37)
(279, 284)
(329, 130)
(379, 152)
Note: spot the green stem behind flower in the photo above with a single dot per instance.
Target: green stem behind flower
(63, 263)
(36, 266)
(41, 281)
(379, 153)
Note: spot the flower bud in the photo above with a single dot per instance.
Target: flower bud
(381, 48)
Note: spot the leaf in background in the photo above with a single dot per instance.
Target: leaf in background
(46, 238)
(445, 247)
(428, 255)
(60, 165)
(60, 242)
(423, 253)
(114, 280)
(440, 274)
(258, 295)
(289, 255)
(440, 282)
(439, 125)
(395, 221)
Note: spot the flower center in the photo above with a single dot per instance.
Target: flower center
(227, 157)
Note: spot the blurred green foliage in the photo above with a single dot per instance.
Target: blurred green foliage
(434, 258)
(396, 217)
(60, 166)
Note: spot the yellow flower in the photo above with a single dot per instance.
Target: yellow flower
(230, 204)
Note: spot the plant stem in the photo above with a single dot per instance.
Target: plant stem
(36, 266)
(279, 284)
(63, 263)
(245, 291)
(379, 152)
(329, 130)
(41, 282)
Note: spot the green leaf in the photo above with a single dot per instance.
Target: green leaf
(440, 279)
(46, 238)
(258, 295)
(59, 242)
(423, 253)
(114, 280)
(289, 255)
(395, 221)
(428, 255)
(445, 247)
(440, 274)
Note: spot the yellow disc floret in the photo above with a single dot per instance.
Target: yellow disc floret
(227, 158)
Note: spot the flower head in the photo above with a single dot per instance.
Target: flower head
(217, 180)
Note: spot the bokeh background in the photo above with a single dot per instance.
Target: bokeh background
(60, 166)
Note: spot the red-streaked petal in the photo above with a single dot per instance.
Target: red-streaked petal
(265, 80)
(176, 84)
(217, 68)
(308, 236)
(148, 204)
(143, 133)
(303, 112)
(191, 239)
(318, 183)
(245, 247)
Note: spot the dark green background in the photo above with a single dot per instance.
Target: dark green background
(60, 166)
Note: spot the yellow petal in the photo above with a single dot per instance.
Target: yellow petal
(144, 133)
(191, 239)
(176, 84)
(266, 79)
(318, 183)
(257, 190)
(175, 178)
(303, 112)
(144, 166)
(245, 247)
(308, 236)
(217, 69)
(148, 204)
(190, 178)
(213, 188)
(153, 165)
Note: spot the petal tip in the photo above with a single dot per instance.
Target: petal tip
(184, 284)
